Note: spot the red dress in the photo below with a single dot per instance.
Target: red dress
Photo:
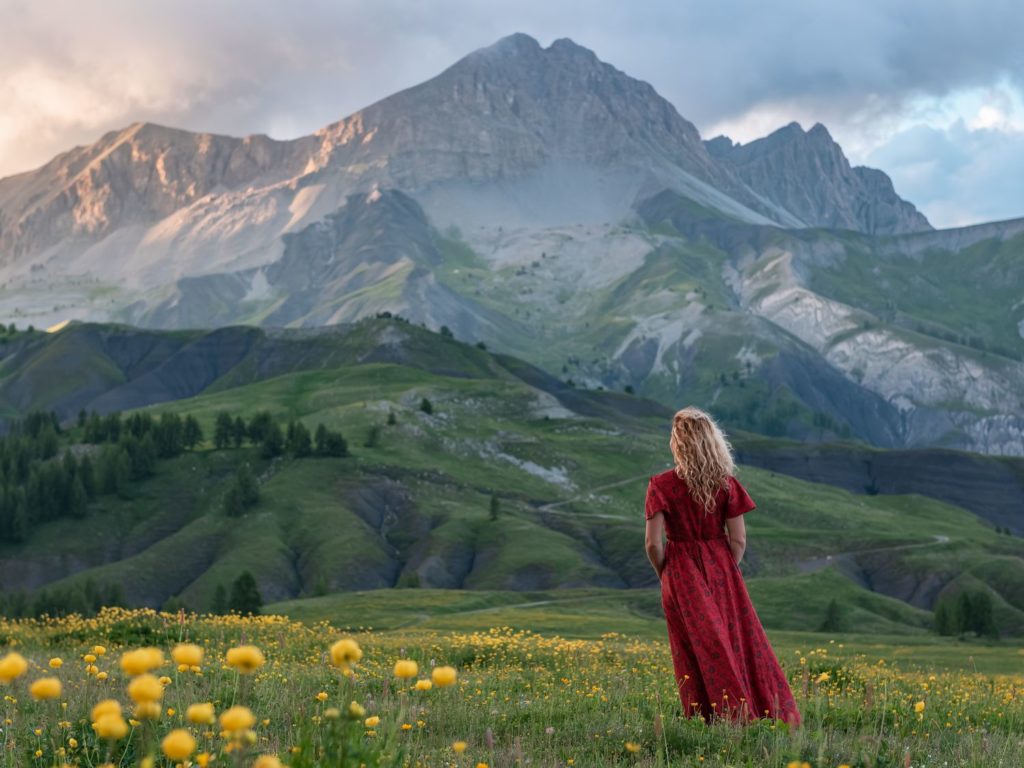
(722, 660)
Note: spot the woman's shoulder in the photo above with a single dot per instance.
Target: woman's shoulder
(668, 476)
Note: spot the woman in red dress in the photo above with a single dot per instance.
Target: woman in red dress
(723, 663)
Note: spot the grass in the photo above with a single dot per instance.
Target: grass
(519, 696)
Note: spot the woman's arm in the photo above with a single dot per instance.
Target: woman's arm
(737, 531)
(654, 543)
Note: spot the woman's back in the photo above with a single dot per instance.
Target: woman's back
(684, 517)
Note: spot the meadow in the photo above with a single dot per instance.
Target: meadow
(286, 692)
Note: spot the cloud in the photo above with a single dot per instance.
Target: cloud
(71, 70)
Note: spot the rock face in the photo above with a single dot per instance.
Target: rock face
(542, 201)
(807, 173)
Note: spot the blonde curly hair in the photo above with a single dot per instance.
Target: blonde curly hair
(702, 454)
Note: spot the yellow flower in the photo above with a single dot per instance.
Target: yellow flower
(237, 719)
(147, 710)
(345, 652)
(406, 668)
(188, 654)
(12, 666)
(443, 676)
(110, 726)
(178, 745)
(823, 677)
(101, 676)
(89, 658)
(141, 660)
(203, 759)
(267, 761)
(201, 714)
(145, 688)
(356, 710)
(459, 747)
(45, 688)
(99, 650)
(424, 685)
(919, 707)
(245, 658)
(73, 742)
(406, 727)
(372, 722)
(106, 707)
(322, 696)
(632, 746)
(332, 713)
(56, 662)
(481, 765)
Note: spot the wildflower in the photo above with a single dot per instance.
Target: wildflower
(101, 676)
(237, 719)
(12, 666)
(822, 678)
(356, 710)
(632, 746)
(919, 707)
(56, 662)
(406, 727)
(145, 688)
(89, 658)
(267, 761)
(200, 714)
(245, 658)
(178, 745)
(443, 676)
(459, 747)
(45, 688)
(147, 710)
(424, 685)
(332, 713)
(406, 668)
(106, 707)
(99, 650)
(73, 742)
(322, 696)
(111, 727)
(187, 654)
(141, 660)
(345, 652)
(372, 722)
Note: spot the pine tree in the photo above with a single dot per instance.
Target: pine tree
(273, 441)
(834, 618)
(964, 613)
(245, 595)
(982, 616)
(78, 499)
(495, 507)
(426, 406)
(238, 432)
(223, 429)
(248, 490)
(300, 444)
(192, 433)
(87, 475)
(232, 503)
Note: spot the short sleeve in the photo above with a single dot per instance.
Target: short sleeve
(654, 503)
(739, 500)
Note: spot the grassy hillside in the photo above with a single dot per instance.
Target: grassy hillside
(410, 507)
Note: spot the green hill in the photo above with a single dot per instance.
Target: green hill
(410, 507)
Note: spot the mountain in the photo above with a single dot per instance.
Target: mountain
(410, 506)
(807, 173)
(543, 202)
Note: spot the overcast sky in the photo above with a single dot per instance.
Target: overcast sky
(929, 91)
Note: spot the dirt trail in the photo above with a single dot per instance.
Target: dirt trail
(818, 563)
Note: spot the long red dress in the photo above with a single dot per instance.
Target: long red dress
(724, 665)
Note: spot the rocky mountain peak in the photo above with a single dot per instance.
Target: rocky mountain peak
(807, 173)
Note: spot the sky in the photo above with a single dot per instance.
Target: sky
(930, 92)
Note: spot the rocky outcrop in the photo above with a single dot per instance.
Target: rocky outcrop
(807, 173)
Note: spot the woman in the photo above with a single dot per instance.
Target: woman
(723, 663)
